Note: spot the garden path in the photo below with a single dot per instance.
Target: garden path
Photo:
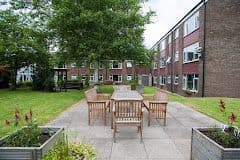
(159, 142)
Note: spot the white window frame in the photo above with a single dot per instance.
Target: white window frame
(129, 64)
(92, 78)
(176, 78)
(83, 64)
(191, 24)
(168, 60)
(176, 33)
(83, 77)
(169, 79)
(92, 66)
(155, 65)
(74, 77)
(119, 78)
(100, 78)
(162, 80)
(191, 49)
(111, 78)
(112, 66)
(129, 77)
(162, 63)
(176, 56)
(185, 83)
(73, 65)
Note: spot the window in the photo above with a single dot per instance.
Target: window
(169, 79)
(162, 62)
(100, 65)
(176, 79)
(84, 64)
(64, 66)
(92, 66)
(111, 77)
(190, 82)
(83, 77)
(162, 45)
(191, 24)
(190, 53)
(129, 77)
(155, 65)
(176, 56)
(129, 64)
(115, 65)
(74, 64)
(162, 80)
(169, 39)
(74, 77)
(92, 78)
(176, 33)
(100, 78)
(155, 80)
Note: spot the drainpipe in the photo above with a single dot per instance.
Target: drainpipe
(204, 49)
(172, 61)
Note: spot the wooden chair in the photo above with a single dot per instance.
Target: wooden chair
(127, 113)
(97, 105)
(157, 108)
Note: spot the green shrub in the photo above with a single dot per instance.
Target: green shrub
(25, 84)
(64, 151)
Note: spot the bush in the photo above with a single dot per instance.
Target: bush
(64, 151)
(108, 82)
(43, 79)
(25, 84)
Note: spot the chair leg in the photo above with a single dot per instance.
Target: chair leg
(114, 133)
(165, 118)
(89, 117)
(149, 117)
(105, 122)
(141, 129)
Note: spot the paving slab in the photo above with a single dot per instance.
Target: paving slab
(170, 142)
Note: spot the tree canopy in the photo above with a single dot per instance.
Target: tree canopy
(99, 29)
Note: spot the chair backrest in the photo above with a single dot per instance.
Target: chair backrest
(161, 96)
(91, 95)
(128, 108)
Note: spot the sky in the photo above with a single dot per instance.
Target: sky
(168, 13)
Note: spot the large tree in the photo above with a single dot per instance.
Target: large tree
(23, 35)
(100, 30)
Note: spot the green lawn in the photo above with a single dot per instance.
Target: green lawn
(106, 89)
(208, 105)
(45, 106)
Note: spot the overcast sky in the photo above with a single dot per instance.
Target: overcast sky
(168, 13)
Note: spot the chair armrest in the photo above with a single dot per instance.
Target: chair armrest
(160, 102)
(103, 96)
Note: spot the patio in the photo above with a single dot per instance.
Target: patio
(159, 141)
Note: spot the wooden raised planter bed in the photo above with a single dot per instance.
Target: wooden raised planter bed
(204, 148)
(30, 153)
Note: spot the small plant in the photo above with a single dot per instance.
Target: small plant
(28, 136)
(64, 151)
(232, 118)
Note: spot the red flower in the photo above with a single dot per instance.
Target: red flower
(30, 113)
(17, 111)
(26, 118)
(222, 105)
(232, 118)
(7, 122)
(17, 117)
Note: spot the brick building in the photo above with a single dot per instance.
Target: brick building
(200, 55)
(119, 72)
